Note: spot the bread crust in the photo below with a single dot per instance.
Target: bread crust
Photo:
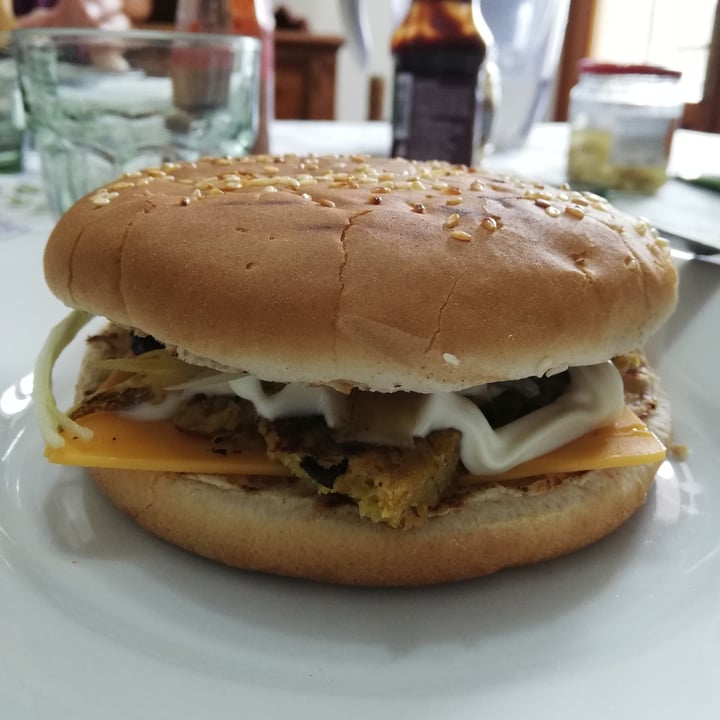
(354, 271)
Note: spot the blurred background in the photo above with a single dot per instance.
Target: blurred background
(339, 52)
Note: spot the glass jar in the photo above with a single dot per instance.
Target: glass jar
(622, 119)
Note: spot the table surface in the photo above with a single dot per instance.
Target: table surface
(28, 309)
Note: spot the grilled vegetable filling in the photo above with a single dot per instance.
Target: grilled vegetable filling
(396, 485)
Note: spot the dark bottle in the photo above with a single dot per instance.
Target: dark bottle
(441, 95)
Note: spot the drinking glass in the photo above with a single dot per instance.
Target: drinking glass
(11, 123)
(103, 103)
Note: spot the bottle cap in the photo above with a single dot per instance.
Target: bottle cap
(595, 67)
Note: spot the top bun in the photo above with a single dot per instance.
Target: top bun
(353, 271)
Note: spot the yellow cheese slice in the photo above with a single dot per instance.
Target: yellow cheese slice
(123, 443)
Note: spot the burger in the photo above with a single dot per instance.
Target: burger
(359, 370)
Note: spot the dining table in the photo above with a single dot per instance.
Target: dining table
(97, 619)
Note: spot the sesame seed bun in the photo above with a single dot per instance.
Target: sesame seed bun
(377, 273)
(381, 274)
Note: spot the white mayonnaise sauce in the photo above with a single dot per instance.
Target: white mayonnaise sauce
(595, 398)
(168, 407)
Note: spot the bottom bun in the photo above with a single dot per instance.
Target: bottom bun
(268, 525)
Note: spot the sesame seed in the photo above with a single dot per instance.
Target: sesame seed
(417, 185)
(133, 174)
(476, 186)
(460, 235)
(640, 227)
(100, 200)
(215, 192)
(120, 185)
(630, 262)
(542, 203)
(452, 220)
(376, 200)
(451, 359)
(553, 211)
(662, 242)
(454, 201)
(326, 203)
(382, 189)
(489, 223)
(285, 180)
(575, 211)
(271, 170)
(197, 193)
(418, 208)
(270, 189)
(261, 182)
(451, 190)
(185, 201)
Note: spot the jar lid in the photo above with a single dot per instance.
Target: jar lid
(595, 67)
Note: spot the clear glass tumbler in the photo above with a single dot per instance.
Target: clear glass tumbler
(100, 104)
(11, 120)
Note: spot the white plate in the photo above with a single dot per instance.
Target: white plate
(100, 620)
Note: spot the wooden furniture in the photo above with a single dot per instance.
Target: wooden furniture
(305, 75)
